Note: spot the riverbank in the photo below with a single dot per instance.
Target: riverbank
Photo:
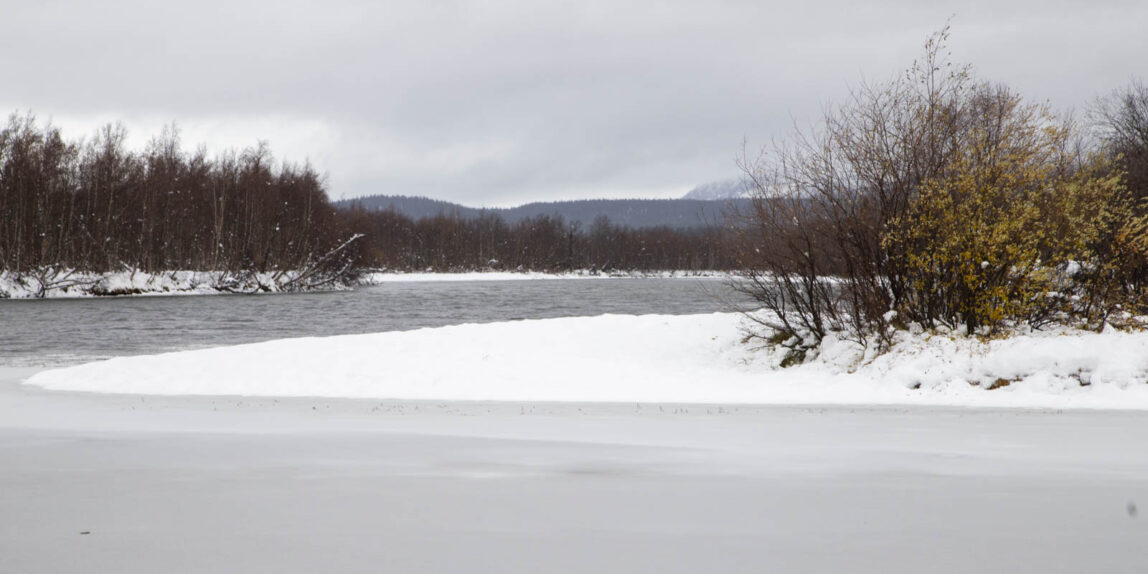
(60, 284)
(380, 277)
(73, 284)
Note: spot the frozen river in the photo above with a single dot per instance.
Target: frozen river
(128, 483)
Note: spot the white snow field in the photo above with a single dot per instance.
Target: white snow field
(200, 461)
(651, 358)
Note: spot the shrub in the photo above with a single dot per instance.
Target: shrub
(938, 200)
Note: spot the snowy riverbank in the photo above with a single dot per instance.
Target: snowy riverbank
(75, 284)
(640, 359)
(65, 284)
(399, 276)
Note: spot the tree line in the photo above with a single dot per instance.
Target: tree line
(683, 214)
(392, 240)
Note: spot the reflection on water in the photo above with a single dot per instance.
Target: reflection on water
(72, 330)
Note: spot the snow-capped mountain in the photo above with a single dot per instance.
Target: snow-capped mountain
(719, 190)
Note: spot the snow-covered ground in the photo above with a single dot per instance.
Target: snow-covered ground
(640, 359)
(245, 459)
(142, 484)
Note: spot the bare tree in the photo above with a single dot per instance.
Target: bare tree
(1121, 121)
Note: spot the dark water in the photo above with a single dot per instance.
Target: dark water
(72, 330)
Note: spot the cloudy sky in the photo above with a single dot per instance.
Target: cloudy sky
(502, 102)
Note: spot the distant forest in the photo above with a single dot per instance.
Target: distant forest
(94, 205)
(682, 214)
(543, 243)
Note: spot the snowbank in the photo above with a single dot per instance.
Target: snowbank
(395, 277)
(652, 358)
(65, 284)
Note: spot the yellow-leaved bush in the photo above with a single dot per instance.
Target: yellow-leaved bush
(1016, 230)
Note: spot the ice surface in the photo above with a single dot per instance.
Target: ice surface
(234, 484)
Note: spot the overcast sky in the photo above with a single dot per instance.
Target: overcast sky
(503, 102)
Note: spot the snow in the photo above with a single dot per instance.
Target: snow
(74, 284)
(398, 276)
(721, 190)
(186, 484)
(642, 359)
(598, 466)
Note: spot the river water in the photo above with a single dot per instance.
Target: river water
(64, 331)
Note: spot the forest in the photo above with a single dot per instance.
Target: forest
(682, 213)
(541, 243)
(95, 206)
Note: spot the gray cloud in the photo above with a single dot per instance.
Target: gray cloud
(496, 103)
